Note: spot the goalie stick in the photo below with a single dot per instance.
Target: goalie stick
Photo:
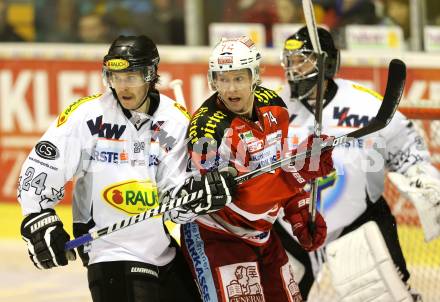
(309, 16)
(393, 93)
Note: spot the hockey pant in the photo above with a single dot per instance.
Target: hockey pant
(229, 269)
(131, 281)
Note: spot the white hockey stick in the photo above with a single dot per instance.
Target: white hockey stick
(176, 85)
(309, 16)
(393, 93)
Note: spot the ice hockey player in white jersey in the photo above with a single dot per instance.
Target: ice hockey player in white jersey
(352, 195)
(125, 150)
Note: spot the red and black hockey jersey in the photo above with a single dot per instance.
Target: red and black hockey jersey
(219, 138)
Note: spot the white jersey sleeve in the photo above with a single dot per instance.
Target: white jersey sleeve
(52, 162)
(405, 146)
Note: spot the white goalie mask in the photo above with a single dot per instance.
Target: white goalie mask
(234, 54)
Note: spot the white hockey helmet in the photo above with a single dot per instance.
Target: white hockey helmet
(235, 54)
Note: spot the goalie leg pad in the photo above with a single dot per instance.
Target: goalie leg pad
(362, 268)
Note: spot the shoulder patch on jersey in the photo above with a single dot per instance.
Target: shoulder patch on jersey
(269, 97)
(62, 118)
(183, 110)
(368, 90)
(265, 95)
(204, 123)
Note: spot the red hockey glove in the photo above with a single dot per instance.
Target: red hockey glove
(313, 167)
(297, 214)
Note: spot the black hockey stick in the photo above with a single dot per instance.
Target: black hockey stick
(393, 93)
(391, 99)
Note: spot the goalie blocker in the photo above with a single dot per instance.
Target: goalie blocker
(421, 185)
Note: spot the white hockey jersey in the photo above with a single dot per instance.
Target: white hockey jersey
(360, 164)
(121, 161)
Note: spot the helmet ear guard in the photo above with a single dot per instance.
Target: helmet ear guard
(332, 65)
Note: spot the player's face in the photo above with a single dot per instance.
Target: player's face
(301, 64)
(131, 89)
(235, 89)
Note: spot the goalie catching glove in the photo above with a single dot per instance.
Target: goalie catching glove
(423, 190)
(218, 189)
(312, 167)
(45, 238)
(297, 214)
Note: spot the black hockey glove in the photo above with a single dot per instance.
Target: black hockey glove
(218, 190)
(80, 229)
(45, 238)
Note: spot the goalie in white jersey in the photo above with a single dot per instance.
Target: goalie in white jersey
(125, 149)
(352, 195)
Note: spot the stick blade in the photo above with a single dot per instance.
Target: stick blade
(393, 92)
(391, 99)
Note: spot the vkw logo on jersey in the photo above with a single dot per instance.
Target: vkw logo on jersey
(105, 130)
(132, 196)
(349, 120)
(47, 150)
(241, 282)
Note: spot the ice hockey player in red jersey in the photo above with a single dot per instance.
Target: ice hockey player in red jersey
(232, 251)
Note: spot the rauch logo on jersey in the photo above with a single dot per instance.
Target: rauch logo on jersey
(349, 120)
(132, 196)
(105, 130)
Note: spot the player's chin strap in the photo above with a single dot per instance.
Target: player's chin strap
(421, 185)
